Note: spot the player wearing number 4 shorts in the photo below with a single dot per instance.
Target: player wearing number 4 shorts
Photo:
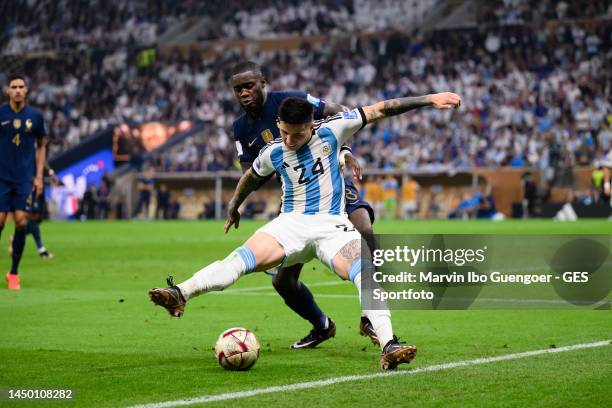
(22, 159)
(307, 159)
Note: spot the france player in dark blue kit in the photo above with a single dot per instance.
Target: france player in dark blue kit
(252, 131)
(22, 159)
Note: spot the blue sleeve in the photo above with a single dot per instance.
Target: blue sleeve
(318, 103)
(245, 154)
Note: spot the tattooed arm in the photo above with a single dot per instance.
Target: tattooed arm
(248, 183)
(392, 107)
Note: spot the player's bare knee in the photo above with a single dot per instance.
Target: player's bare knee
(269, 252)
(21, 224)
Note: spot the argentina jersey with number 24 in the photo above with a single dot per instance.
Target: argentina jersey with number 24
(312, 182)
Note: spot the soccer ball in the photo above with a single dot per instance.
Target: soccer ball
(237, 349)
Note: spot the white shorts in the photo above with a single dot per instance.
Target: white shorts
(307, 236)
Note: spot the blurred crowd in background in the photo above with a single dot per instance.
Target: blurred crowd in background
(533, 95)
(534, 75)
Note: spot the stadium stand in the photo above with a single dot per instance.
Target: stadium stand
(535, 84)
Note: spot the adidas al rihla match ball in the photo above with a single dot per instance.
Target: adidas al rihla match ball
(237, 349)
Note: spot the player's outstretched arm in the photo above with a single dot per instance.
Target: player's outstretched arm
(331, 108)
(393, 107)
(248, 183)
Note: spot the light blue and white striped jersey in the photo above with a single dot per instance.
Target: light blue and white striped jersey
(311, 177)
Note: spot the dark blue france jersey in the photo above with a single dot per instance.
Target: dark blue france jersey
(18, 134)
(252, 134)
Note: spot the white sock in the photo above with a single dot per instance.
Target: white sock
(220, 274)
(380, 319)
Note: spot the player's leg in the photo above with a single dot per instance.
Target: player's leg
(139, 205)
(361, 215)
(21, 223)
(36, 210)
(5, 205)
(3, 215)
(21, 220)
(299, 298)
(362, 219)
(147, 202)
(33, 228)
(347, 264)
(261, 252)
(20, 194)
(297, 295)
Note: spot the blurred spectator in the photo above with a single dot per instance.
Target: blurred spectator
(103, 197)
(208, 211)
(145, 186)
(163, 202)
(373, 193)
(468, 207)
(87, 205)
(254, 207)
(486, 206)
(174, 208)
(390, 187)
(136, 160)
(529, 192)
(535, 94)
(409, 198)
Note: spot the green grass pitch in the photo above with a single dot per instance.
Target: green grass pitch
(83, 320)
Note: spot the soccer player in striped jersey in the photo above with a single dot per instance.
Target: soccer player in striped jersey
(252, 130)
(313, 221)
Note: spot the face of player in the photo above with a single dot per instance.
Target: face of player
(17, 91)
(295, 136)
(249, 90)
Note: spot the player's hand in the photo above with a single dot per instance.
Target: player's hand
(351, 161)
(38, 186)
(233, 218)
(445, 100)
(55, 181)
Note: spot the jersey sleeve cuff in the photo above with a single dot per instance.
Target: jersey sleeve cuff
(364, 121)
(256, 173)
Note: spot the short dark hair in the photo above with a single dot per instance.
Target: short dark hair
(246, 66)
(295, 111)
(13, 77)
